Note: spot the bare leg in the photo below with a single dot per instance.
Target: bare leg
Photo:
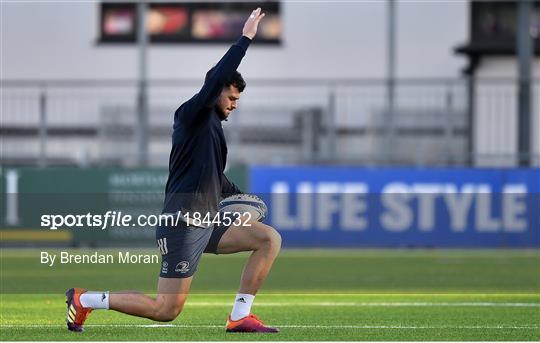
(172, 294)
(264, 241)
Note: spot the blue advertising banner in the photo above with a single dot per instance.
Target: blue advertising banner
(401, 207)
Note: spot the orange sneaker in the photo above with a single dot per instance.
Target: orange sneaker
(76, 314)
(251, 323)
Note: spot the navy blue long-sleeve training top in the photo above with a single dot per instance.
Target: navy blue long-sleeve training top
(196, 181)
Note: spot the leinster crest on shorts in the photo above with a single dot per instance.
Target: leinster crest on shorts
(182, 267)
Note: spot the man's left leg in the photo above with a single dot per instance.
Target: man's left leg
(265, 243)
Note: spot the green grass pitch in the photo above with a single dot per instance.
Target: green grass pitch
(334, 295)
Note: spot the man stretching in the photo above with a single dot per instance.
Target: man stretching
(195, 186)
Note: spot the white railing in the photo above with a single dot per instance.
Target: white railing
(433, 122)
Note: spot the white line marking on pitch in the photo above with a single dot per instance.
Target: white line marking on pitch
(341, 326)
(374, 304)
(184, 326)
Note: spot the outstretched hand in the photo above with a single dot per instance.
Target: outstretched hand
(250, 27)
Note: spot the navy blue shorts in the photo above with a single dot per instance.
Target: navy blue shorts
(181, 247)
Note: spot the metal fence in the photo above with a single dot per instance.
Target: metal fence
(432, 122)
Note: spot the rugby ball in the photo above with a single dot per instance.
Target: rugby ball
(242, 203)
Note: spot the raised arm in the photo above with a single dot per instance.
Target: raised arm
(223, 70)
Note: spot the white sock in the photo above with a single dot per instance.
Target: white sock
(242, 306)
(95, 300)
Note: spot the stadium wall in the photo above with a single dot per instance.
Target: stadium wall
(321, 39)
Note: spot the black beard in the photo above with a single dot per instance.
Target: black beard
(221, 114)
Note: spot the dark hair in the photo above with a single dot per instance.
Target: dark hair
(235, 80)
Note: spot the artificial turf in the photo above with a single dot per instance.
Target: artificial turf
(336, 295)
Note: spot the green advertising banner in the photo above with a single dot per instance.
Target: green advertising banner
(32, 197)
